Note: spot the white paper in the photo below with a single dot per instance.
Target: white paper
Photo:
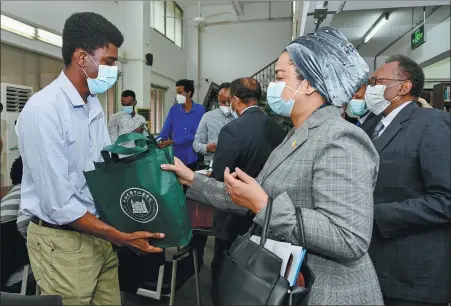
(280, 249)
(284, 250)
(203, 172)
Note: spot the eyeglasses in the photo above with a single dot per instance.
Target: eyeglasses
(374, 80)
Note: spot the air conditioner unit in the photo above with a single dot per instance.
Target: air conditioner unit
(13, 98)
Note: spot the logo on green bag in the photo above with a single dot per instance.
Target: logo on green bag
(139, 205)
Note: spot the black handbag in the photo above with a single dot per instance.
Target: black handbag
(250, 274)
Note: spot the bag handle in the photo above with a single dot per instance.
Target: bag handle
(140, 141)
(149, 135)
(301, 230)
(152, 139)
(265, 231)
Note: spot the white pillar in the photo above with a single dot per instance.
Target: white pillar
(136, 74)
(300, 17)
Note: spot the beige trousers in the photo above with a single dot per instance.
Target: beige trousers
(81, 268)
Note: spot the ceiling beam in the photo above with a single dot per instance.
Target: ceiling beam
(239, 8)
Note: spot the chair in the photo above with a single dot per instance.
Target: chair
(156, 291)
(201, 217)
(14, 253)
(15, 299)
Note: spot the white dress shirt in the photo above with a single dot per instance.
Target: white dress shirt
(390, 117)
(59, 137)
(363, 118)
(208, 131)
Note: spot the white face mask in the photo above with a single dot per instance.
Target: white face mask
(375, 100)
(180, 99)
(225, 110)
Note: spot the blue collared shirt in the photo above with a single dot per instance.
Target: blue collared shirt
(59, 137)
(181, 126)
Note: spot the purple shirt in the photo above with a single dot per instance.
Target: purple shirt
(181, 126)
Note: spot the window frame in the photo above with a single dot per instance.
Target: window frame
(176, 7)
(154, 108)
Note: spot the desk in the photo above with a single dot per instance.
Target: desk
(201, 215)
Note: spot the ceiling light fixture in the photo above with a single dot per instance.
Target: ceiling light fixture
(50, 38)
(17, 27)
(379, 24)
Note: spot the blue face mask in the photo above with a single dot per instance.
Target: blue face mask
(127, 109)
(275, 101)
(106, 77)
(357, 107)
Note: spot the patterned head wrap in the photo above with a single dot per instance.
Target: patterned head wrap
(330, 63)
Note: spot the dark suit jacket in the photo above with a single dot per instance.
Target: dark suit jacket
(245, 143)
(411, 243)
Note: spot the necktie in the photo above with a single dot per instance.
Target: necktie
(377, 130)
(358, 124)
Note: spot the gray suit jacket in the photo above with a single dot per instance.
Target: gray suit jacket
(411, 245)
(329, 168)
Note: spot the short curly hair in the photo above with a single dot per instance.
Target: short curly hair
(16, 171)
(408, 69)
(88, 31)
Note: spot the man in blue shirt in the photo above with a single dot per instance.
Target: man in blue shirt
(61, 132)
(181, 124)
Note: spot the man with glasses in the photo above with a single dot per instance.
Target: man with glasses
(411, 243)
(211, 123)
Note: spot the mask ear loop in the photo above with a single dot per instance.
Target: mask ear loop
(91, 61)
(296, 90)
(392, 86)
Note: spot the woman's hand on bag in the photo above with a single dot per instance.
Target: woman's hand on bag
(184, 174)
(140, 241)
(244, 190)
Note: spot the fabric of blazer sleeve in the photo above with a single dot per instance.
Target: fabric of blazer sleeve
(226, 154)
(434, 207)
(344, 176)
(210, 192)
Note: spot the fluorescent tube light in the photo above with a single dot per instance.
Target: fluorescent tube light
(376, 28)
(50, 38)
(17, 27)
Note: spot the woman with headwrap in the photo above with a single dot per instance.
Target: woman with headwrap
(326, 166)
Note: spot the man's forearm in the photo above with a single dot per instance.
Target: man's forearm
(89, 224)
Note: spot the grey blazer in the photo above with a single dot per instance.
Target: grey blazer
(329, 168)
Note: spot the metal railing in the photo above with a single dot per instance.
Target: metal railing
(266, 75)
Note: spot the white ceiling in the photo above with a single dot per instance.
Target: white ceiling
(354, 21)
(355, 24)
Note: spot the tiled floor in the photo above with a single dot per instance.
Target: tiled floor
(186, 295)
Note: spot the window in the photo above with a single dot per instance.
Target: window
(157, 95)
(168, 20)
(158, 16)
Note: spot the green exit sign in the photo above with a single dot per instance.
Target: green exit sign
(417, 38)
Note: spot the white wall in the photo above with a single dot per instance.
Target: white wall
(229, 51)
(437, 42)
(437, 72)
(169, 65)
(240, 50)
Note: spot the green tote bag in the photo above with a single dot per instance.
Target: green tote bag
(133, 193)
